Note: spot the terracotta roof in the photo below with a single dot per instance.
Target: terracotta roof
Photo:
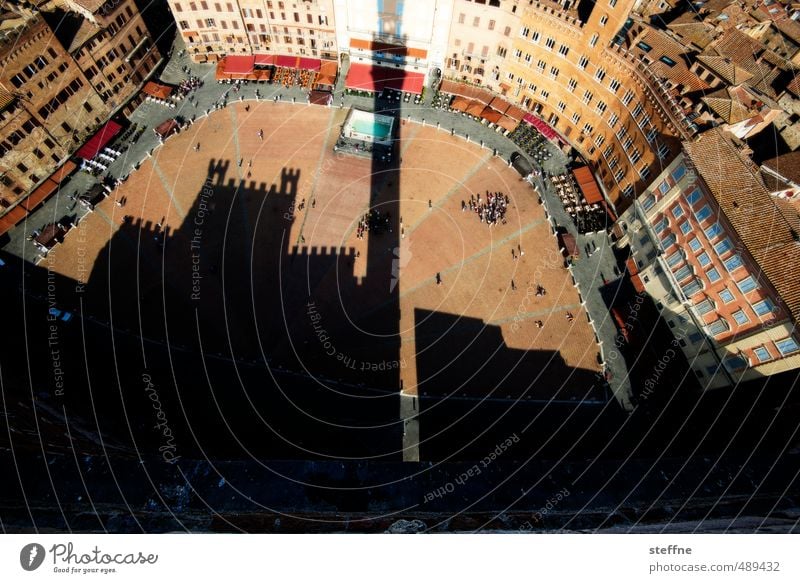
(790, 28)
(752, 56)
(767, 232)
(787, 166)
(693, 32)
(729, 71)
(664, 46)
(736, 103)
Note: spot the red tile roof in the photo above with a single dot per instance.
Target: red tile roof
(768, 233)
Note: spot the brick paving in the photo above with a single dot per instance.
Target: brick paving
(475, 261)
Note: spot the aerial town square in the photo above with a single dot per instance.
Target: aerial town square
(378, 266)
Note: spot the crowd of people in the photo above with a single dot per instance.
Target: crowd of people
(374, 221)
(186, 86)
(490, 210)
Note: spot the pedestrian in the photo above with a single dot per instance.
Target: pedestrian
(430, 204)
(313, 203)
(438, 278)
(261, 135)
(197, 147)
(513, 286)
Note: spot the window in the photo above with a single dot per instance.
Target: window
(561, 106)
(583, 62)
(668, 241)
(678, 173)
(703, 259)
(549, 43)
(763, 307)
(692, 288)
(667, 61)
(740, 317)
(695, 245)
(553, 72)
(726, 296)
(524, 31)
(563, 50)
(587, 97)
(613, 119)
(703, 214)
(603, 20)
(762, 353)
(693, 196)
(647, 203)
(787, 345)
(718, 327)
(612, 3)
(491, 24)
(704, 307)
(723, 246)
(210, 22)
(748, 284)
(627, 98)
(713, 275)
(462, 16)
(677, 211)
(683, 273)
(695, 337)
(713, 231)
(572, 85)
(674, 259)
(600, 74)
(601, 107)
(613, 84)
(735, 362)
(476, 22)
(593, 40)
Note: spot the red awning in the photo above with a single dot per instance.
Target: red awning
(286, 61)
(167, 128)
(491, 115)
(308, 64)
(39, 195)
(157, 90)
(98, 141)
(541, 126)
(591, 192)
(239, 64)
(265, 60)
(320, 97)
(65, 170)
(370, 78)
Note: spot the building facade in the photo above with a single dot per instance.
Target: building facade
(49, 107)
(112, 46)
(291, 27)
(719, 256)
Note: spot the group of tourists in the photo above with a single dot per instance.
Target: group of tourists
(490, 209)
(374, 221)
